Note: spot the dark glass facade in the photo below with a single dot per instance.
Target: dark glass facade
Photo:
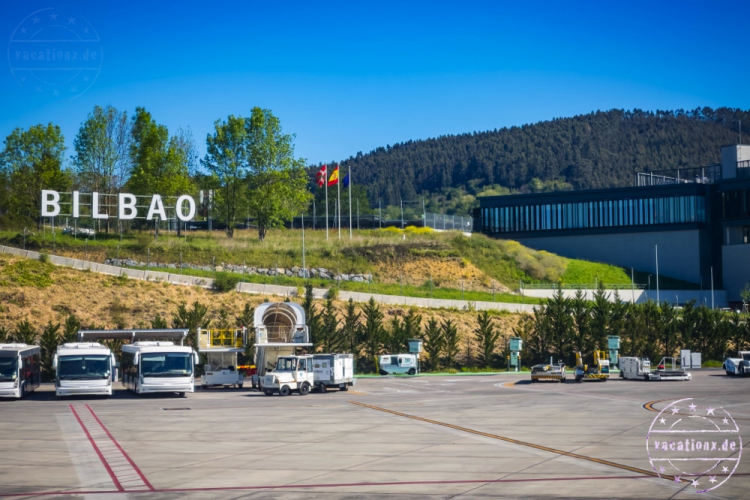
(734, 204)
(641, 211)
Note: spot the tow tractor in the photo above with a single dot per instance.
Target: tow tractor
(739, 365)
(292, 373)
(599, 370)
(552, 372)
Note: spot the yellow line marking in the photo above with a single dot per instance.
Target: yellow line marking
(357, 393)
(650, 405)
(510, 384)
(522, 443)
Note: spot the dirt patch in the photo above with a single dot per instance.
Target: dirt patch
(445, 273)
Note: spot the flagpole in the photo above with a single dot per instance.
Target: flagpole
(338, 189)
(325, 180)
(349, 175)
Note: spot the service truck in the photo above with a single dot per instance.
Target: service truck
(333, 370)
(291, 373)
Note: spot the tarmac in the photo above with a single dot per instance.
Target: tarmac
(466, 437)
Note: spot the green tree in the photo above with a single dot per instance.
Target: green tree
(277, 181)
(246, 318)
(332, 340)
(372, 334)
(350, 328)
(159, 322)
(102, 161)
(191, 319)
(70, 328)
(227, 159)
(601, 313)
(313, 317)
(452, 338)
(25, 333)
(32, 161)
(433, 343)
(48, 343)
(560, 324)
(487, 336)
(581, 314)
(160, 164)
(4, 335)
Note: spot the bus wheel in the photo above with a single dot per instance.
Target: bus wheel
(284, 391)
(412, 371)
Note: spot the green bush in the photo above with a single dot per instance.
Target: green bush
(712, 363)
(333, 293)
(43, 257)
(225, 282)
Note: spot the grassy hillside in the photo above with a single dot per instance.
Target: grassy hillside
(413, 257)
(40, 293)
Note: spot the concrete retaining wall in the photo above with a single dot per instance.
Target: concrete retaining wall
(259, 288)
(675, 297)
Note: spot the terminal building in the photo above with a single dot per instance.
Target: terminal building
(697, 218)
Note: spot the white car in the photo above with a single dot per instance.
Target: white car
(739, 365)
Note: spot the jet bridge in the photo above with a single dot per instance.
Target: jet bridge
(279, 330)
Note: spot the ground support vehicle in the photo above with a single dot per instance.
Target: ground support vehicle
(219, 348)
(20, 370)
(333, 370)
(292, 373)
(149, 367)
(598, 370)
(552, 372)
(398, 363)
(669, 369)
(84, 368)
(280, 330)
(633, 368)
(739, 365)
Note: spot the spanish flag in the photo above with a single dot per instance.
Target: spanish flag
(334, 178)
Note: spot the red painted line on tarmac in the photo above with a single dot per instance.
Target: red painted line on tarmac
(334, 485)
(98, 452)
(127, 457)
(331, 485)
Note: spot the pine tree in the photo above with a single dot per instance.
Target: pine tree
(71, 327)
(487, 337)
(371, 333)
(331, 337)
(434, 343)
(350, 329)
(452, 338)
(48, 342)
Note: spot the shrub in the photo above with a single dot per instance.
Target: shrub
(333, 293)
(417, 230)
(225, 282)
(43, 257)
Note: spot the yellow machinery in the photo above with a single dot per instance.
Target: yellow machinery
(599, 370)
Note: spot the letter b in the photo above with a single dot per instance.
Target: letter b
(127, 208)
(50, 199)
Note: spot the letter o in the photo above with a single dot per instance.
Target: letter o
(191, 208)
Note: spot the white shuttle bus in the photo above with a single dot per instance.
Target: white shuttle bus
(20, 370)
(84, 368)
(149, 367)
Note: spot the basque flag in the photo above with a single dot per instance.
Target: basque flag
(320, 178)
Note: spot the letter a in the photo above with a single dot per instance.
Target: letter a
(156, 207)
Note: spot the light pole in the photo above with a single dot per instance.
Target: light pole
(656, 250)
(712, 287)
(304, 264)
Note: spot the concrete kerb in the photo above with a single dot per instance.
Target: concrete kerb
(106, 269)
(180, 279)
(15, 251)
(156, 276)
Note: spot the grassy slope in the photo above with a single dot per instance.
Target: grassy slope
(41, 292)
(445, 259)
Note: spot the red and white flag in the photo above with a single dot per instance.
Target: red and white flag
(320, 178)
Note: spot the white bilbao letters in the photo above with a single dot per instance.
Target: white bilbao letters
(126, 206)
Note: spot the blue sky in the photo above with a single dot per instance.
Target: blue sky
(350, 76)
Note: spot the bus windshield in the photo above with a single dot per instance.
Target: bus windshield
(8, 368)
(166, 364)
(83, 367)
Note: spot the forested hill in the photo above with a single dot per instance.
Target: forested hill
(601, 149)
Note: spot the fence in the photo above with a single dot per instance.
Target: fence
(442, 222)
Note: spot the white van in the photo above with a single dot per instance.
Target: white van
(398, 363)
